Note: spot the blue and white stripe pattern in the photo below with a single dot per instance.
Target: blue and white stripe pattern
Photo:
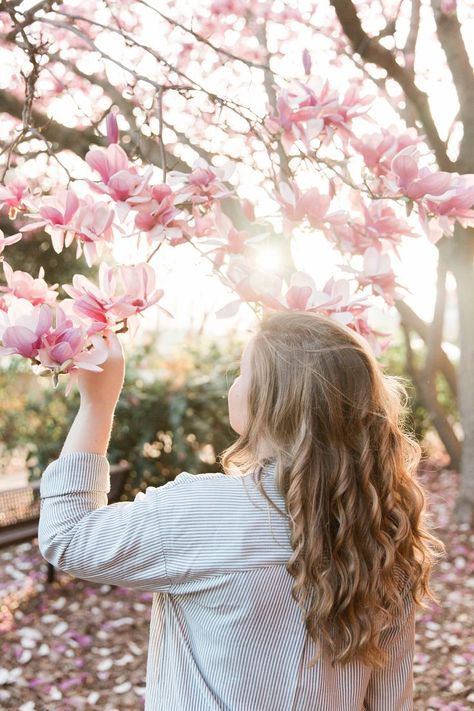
(225, 633)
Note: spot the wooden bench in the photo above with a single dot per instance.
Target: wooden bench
(20, 509)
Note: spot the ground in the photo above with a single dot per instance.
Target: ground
(75, 645)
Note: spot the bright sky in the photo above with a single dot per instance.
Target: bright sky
(191, 291)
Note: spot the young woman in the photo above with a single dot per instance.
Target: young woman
(289, 581)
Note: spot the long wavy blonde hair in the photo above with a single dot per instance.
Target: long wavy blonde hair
(346, 467)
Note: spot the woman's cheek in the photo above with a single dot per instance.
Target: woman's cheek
(234, 402)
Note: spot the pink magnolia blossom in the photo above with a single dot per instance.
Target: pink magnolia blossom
(335, 300)
(351, 105)
(56, 214)
(378, 148)
(92, 226)
(65, 347)
(377, 340)
(250, 284)
(11, 196)
(96, 302)
(28, 331)
(237, 240)
(123, 292)
(303, 295)
(306, 58)
(23, 285)
(204, 184)
(108, 161)
(303, 113)
(202, 225)
(263, 287)
(260, 285)
(140, 292)
(120, 180)
(5, 241)
(112, 128)
(415, 182)
(177, 237)
(448, 196)
(458, 206)
(378, 274)
(300, 291)
(448, 7)
(378, 224)
(296, 206)
(228, 239)
(381, 223)
(156, 216)
(22, 325)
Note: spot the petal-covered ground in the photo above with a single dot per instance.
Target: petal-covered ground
(76, 645)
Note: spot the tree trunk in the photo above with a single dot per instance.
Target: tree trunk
(462, 266)
(426, 389)
(422, 329)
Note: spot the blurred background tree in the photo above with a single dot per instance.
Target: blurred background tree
(172, 416)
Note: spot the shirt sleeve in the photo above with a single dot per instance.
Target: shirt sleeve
(391, 688)
(79, 533)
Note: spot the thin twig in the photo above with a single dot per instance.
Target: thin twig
(160, 133)
(204, 40)
(33, 52)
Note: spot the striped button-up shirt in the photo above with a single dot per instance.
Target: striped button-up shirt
(225, 633)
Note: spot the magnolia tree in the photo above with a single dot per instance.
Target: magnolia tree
(227, 125)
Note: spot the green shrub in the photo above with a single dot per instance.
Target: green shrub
(170, 418)
(177, 422)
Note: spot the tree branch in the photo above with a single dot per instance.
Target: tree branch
(370, 50)
(268, 83)
(427, 395)
(204, 40)
(435, 329)
(410, 44)
(73, 139)
(79, 140)
(193, 84)
(415, 323)
(451, 39)
(28, 15)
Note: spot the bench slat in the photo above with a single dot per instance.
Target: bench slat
(20, 507)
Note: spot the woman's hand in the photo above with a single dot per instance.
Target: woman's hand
(103, 389)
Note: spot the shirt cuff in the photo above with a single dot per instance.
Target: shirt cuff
(76, 471)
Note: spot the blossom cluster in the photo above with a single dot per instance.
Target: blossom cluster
(121, 198)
